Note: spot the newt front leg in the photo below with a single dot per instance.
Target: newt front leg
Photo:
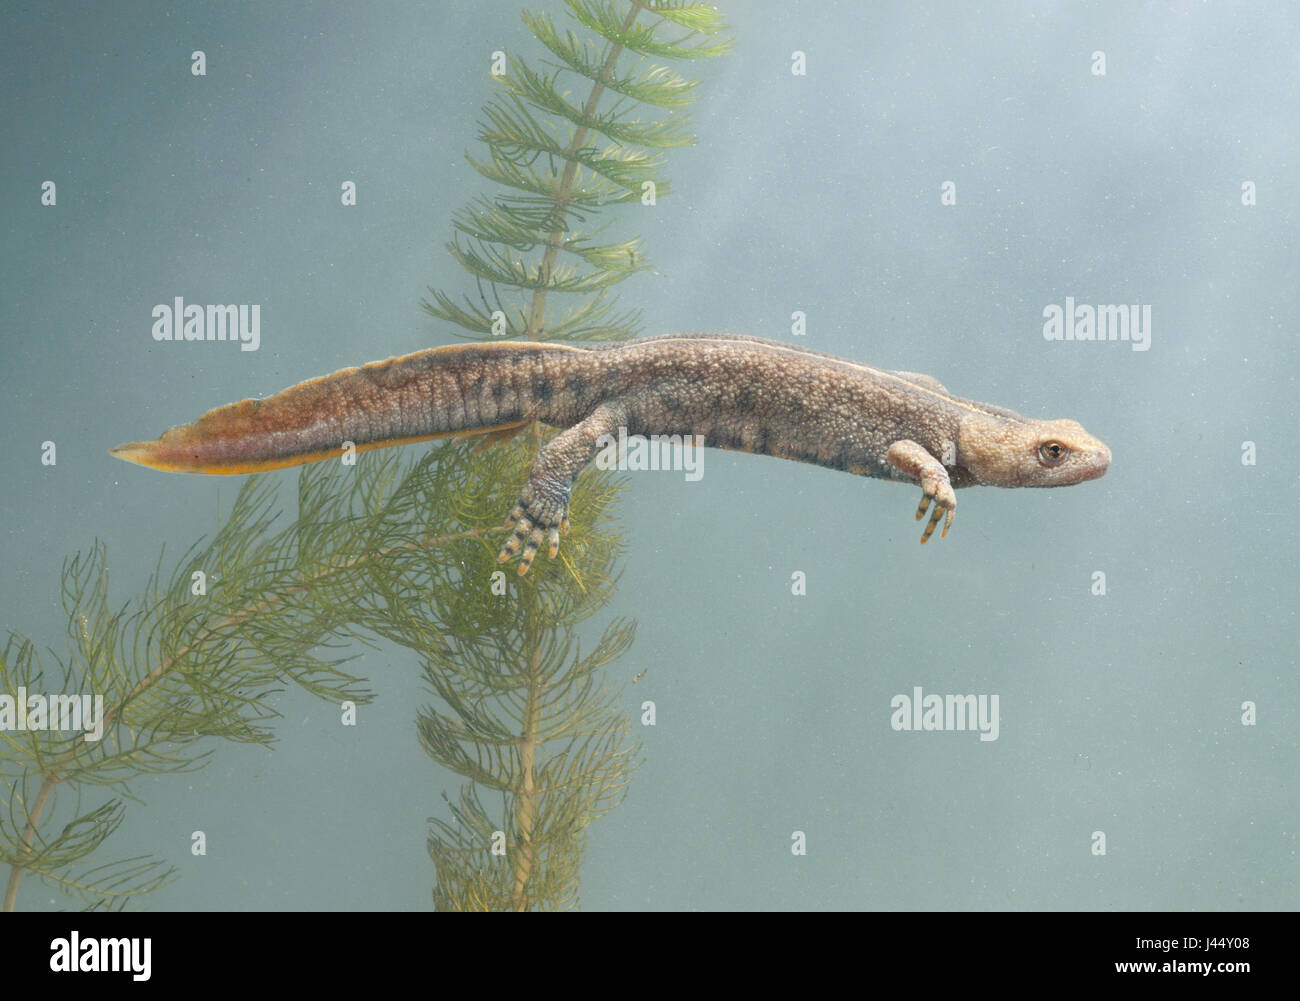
(910, 458)
(542, 511)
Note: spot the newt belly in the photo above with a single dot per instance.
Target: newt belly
(736, 392)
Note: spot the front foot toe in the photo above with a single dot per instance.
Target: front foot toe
(945, 503)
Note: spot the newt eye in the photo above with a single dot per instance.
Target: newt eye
(1052, 452)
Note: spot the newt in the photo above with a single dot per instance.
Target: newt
(738, 392)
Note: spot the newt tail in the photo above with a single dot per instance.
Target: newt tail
(737, 392)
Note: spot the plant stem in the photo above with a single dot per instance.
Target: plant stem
(526, 793)
(537, 311)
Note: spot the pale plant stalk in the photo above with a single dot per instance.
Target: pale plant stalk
(525, 792)
(537, 311)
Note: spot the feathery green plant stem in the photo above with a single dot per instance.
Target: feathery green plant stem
(536, 315)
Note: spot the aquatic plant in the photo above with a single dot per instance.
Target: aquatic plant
(403, 549)
(561, 163)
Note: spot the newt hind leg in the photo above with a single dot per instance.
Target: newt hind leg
(542, 511)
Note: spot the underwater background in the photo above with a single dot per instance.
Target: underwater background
(1120, 712)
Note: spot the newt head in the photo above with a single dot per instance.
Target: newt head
(1003, 452)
